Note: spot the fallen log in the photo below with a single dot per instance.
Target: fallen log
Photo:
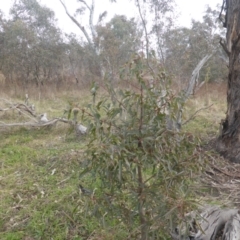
(38, 121)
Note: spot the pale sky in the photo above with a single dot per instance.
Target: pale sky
(188, 9)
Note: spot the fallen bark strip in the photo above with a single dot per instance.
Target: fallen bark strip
(226, 173)
(212, 223)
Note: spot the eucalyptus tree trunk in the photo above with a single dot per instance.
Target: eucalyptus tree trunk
(228, 143)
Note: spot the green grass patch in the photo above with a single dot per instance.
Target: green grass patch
(39, 178)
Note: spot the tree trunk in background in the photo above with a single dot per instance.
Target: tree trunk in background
(228, 143)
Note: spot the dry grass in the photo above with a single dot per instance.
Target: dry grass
(212, 101)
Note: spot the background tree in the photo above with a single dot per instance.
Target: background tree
(75, 54)
(154, 28)
(32, 48)
(117, 41)
(185, 47)
(89, 32)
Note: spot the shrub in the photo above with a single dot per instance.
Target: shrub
(141, 168)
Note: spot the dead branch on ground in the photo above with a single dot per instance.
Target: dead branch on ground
(36, 120)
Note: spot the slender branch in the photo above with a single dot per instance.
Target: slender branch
(64, 180)
(91, 19)
(140, 177)
(193, 116)
(78, 24)
(146, 35)
(144, 26)
(5, 100)
(158, 35)
(91, 12)
(188, 92)
(149, 178)
(22, 108)
(73, 222)
(194, 79)
(140, 204)
(5, 109)
(89, 8)
(141, 118)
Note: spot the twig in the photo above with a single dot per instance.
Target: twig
(69, 218)
(149, 178)
(3, 99)
(20, 107)
(89, 237)
(146, 35)
(226, 173)
(64, 180)
(192, 117)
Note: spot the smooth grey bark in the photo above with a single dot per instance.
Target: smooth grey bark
(80, 26)
(176, 124)
(91, 13)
